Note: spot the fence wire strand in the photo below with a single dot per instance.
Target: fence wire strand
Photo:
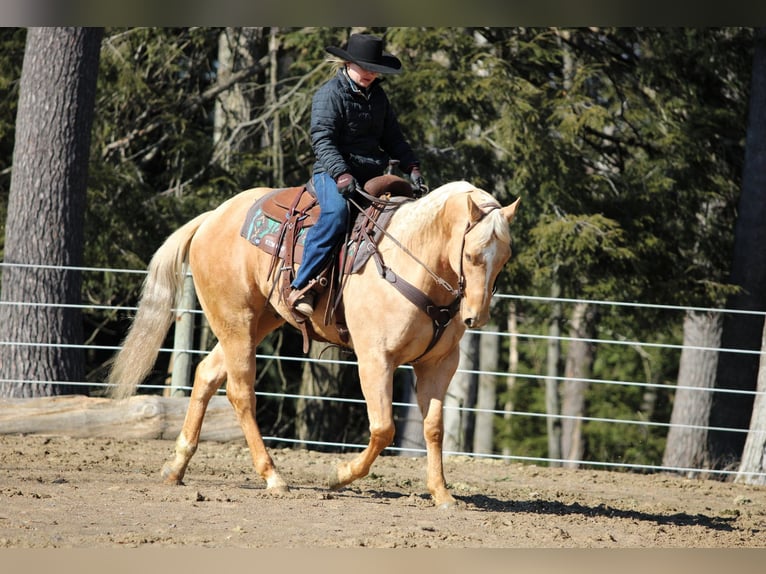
(473, 410)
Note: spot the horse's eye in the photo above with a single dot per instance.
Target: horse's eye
(469, 257)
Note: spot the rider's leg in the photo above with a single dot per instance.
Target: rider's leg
(321, 239)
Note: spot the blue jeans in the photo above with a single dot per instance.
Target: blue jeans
(323, 236)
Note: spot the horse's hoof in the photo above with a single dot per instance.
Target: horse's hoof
(278, 490)
(169, 476)
(447, 504)
(333, 482)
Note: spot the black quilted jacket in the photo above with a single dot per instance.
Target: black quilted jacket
(356, 132)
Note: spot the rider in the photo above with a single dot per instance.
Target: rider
(354, 134)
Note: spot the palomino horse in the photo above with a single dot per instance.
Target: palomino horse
(450, 244)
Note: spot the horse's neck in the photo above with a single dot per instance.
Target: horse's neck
(425, 239)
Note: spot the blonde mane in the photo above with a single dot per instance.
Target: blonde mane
(421, 213)
(419, 216)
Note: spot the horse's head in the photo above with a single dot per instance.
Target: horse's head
(485, 249)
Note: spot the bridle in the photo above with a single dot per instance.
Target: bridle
(441, 315)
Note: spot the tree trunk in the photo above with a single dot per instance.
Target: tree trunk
(408, 420)
(686, 445)
(513, 366)
(237, 49)
(459, 424)
(553, 357)
(739, 371)
(277, 162)
(484, 432)
(46, 210)
(579, 362)
(754, 453)
(320, 420)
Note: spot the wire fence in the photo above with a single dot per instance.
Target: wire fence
(462, 410)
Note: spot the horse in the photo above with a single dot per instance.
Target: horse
(450, 245)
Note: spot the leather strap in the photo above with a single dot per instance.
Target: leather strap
(441, 315)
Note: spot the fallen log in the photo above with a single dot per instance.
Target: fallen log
(140, 416)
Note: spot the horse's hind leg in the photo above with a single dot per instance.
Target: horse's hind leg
(208, 378)
(240, 390)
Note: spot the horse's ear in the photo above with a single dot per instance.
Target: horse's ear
(474, 210)
(509, 211)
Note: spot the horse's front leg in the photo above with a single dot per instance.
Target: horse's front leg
(432, 382)
(376, 379)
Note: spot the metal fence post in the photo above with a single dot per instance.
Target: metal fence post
(183, 339)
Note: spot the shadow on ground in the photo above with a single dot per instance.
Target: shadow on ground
(554, 507)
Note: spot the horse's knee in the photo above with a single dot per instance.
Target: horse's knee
(433, 432)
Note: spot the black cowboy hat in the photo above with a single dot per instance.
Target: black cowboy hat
(367, 52)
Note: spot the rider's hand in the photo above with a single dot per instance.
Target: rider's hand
(417, 181)
(346, 184)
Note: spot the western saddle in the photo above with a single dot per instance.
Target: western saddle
(277, 223)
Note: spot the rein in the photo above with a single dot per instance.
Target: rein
(384, 203)
(441, 315)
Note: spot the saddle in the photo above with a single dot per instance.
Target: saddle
(277, 224)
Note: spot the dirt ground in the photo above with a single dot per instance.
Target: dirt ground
(59, 492)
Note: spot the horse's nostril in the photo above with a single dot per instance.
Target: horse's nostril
(469, 322)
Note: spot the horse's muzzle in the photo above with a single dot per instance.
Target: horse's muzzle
(473, 322)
